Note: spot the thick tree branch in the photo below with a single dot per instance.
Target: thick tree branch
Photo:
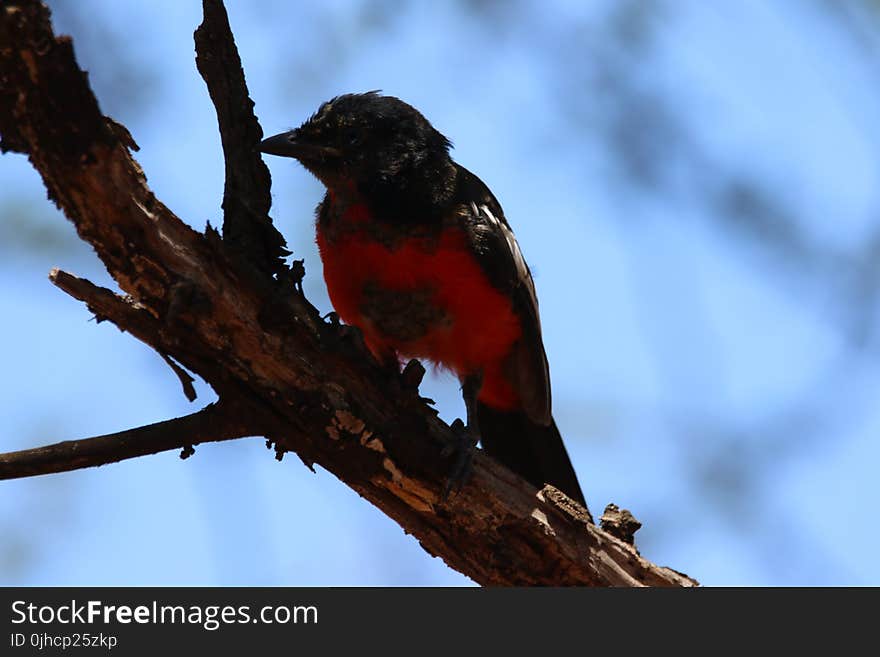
(212, 424)
(308, 385)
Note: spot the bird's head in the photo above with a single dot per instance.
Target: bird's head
(379, 145)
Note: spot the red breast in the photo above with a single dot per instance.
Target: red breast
(482, 327)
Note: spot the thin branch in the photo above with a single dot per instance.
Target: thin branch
(128, 315)
(246, 199)
(186, 381)
(125, 312)
(211, 424)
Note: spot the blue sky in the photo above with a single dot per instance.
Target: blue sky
(701, 376)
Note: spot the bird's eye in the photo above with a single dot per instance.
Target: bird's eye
(352, 137)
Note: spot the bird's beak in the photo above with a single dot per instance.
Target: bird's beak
(287, 145)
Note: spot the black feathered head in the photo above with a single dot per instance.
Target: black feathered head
(379, 145)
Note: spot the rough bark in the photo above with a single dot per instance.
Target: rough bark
(230, 311)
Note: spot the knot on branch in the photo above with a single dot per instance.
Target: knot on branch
(620, 523)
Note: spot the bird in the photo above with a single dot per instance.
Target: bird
(418, 255)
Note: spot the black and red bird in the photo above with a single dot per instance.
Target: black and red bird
(418, 255)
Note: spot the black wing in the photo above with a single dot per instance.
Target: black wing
(503, 262)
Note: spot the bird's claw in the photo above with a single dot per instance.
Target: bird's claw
(412, 375)
(462, 448)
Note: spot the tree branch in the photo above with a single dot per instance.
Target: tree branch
(310, 386)
(126, 313)
(211, 424)
(247, 226)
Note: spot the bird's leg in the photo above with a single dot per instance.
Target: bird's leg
(467, 436)
(412, 374)
(388, 361)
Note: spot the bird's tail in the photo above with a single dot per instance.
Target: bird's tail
(533, 451)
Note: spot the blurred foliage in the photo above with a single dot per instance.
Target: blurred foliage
(51, 508)
(652, 148)
(35, 229)
(125, 82)
(125, 79)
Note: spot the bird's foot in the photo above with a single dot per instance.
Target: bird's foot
(462, 449)
(412, 375)
(411, 378)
